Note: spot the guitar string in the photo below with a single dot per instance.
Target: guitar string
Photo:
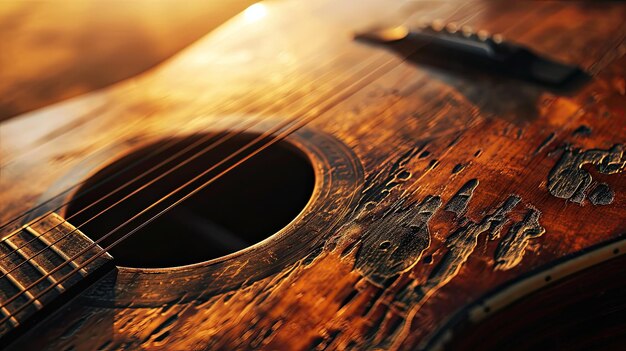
(188, 148)
(231, 102)
(179, 165)
(264, 136)
(18, 230)
(215, 39)
(67, 190)
(158, 150)
(271, 142)
(280, 137)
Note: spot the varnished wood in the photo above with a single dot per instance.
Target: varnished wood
(89, 45)
(555, 318)
(436, 189)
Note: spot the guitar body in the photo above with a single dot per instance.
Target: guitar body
(440, 198)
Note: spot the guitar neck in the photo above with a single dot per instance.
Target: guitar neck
(43, 263)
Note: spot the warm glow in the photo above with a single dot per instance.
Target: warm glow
(255, 12)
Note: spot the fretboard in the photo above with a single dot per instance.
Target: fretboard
(39, 264)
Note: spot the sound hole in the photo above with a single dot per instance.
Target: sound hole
(243, 207)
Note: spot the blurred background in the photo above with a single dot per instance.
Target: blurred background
(51, 50)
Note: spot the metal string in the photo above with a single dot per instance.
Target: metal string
(206, 138)
(64, 192)
(281, 136)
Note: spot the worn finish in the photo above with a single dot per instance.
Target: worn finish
(511, 249)
(568, 179)
(461, 244)
(389, 266)
(393, 244)
(458, 203)
(602, 195)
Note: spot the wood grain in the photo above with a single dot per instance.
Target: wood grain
(52, 51)
(446, 186)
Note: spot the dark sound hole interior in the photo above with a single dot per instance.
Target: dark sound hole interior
(243, 207)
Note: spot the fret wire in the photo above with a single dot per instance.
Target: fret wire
(34, 264)
(23, 290)
(54, 249)
(10, 317)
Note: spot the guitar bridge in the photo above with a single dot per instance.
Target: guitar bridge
(464, 47)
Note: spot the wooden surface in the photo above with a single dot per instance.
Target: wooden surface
(581, 312)
(434, 188)
(54, 50)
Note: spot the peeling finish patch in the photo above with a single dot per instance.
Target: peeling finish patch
(458, 203)
(458, 168)
(461, 245)
(583, 130)
(511, 248)
(379, 186)
(395, 243)
(602, 195)
(568, 180)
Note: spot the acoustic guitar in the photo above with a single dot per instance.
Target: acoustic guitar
(333, 175)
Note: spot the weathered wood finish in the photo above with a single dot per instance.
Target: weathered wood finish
(469, 181)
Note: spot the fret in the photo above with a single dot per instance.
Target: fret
(14, 232)
(49, 244)
(12, 319)
(35, 264)
(21, 287)
(38, 267)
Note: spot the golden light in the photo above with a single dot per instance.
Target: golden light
(255, 12)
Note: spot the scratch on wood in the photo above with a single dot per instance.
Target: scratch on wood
(545, 143)
(313, 255)
(160, 331)
(458, 203)
(568, 180)
(455, 141)
(322, 342)
(583, 130)
(511, 248)
(384, 330)
(458, 168)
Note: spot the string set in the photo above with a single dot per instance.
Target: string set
(291, 126)
(165, 146)
(280, 131)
